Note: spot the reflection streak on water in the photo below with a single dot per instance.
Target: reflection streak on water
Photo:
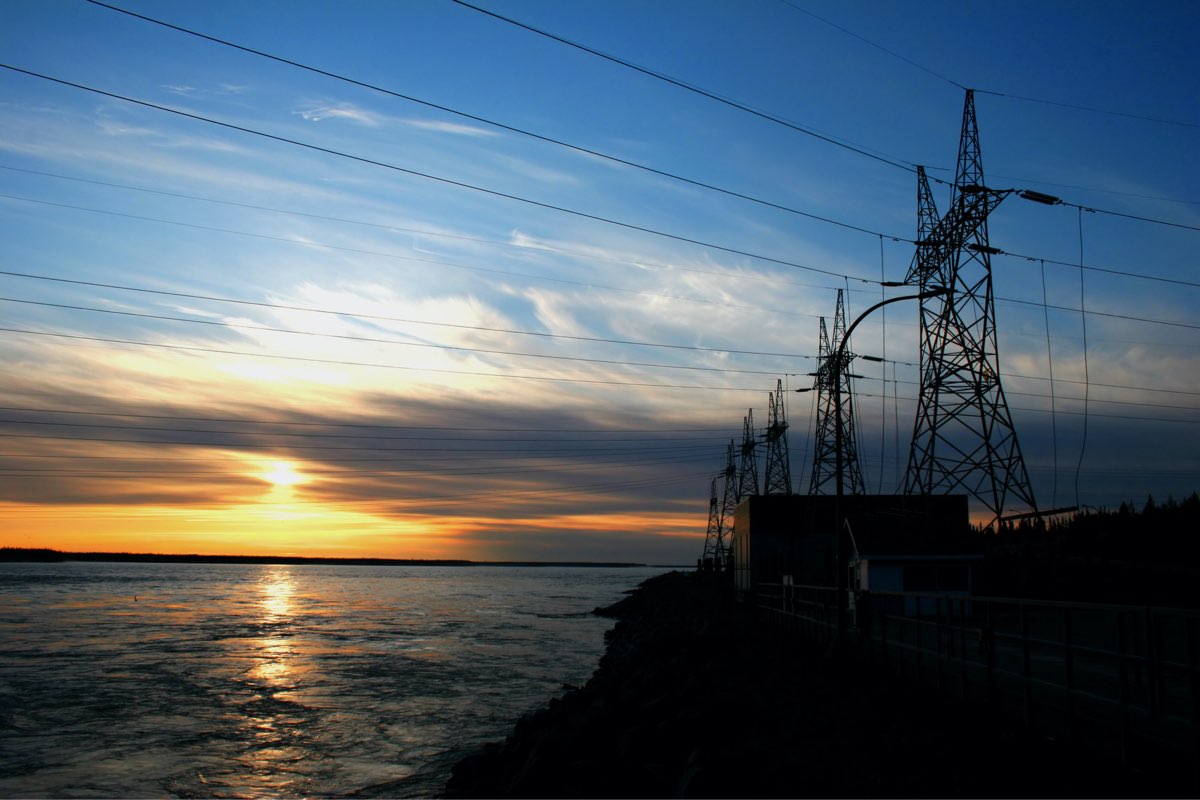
(277, 733)
(275, 653)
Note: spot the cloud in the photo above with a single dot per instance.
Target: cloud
(449, 127)
(346, 111)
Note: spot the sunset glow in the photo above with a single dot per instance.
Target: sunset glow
(517, 304)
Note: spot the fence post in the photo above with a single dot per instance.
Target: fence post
(1069, 677)
(989, 653)
(918, 649)
(1154, 683)
(1123, 671)
(938, 639)
(1027, 687)
(962, 647)
(1193, 661)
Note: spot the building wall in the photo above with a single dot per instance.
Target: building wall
(794, 535)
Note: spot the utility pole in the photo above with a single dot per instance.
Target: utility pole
(963, 435)
(778, 479)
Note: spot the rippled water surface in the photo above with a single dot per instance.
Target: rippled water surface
(200, 680)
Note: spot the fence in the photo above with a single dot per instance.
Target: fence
(1119, 678)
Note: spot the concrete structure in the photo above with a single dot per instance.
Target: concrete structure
(892, 543)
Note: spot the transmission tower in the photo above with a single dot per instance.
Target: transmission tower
(778, 479)
(713, 549)
(963, 437)
(830, 377)
(748, 469)
(729, 503)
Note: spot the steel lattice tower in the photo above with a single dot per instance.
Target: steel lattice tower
(729, 502)
(963, 436)
(730, 498)
(713, 549)
(829, 376)
(778, 479)
(748, 468)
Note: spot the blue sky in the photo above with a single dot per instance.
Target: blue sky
(487, 377)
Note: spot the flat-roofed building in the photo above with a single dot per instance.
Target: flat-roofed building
(891, 542)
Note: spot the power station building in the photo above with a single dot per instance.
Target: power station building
(917, 543)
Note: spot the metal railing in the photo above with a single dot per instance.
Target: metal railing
(1118, 678)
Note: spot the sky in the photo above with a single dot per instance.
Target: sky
(459, 285)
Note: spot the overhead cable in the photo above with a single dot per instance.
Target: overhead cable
(485, 120)
(439, 262)
(344, 363)
(691, 88)
(366, 425)
(443, 235)
(877, 46)
(381, 318)
(379, 340)
(428, 176)
(955, 83)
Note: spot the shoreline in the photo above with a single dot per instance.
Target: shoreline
(693, 699)
(20, 555)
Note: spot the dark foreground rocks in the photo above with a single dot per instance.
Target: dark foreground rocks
(691, 700)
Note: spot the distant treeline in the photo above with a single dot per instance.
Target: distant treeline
(47, 555)
(1141, 556)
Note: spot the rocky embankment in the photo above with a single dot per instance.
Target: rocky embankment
(691, 700)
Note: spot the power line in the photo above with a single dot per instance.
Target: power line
(1090, 109)
(438, 262)
(1130, 216)
(472, 239)
(691, 88)
(379, 340)
(955, 83)
(877, 46)
(1107, 270)
(495, 242)
(613, 341)
(417, 462)
(432, 177)
(1055, 201)
(366, 425)
(381, 318)
(344, 363)
(1139, 195)
(485, 120)
(373, 437)
(571, 491)
(329, 475)
(505, 450)
(1128, 317)
(414, 259)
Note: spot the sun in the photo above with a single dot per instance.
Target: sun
(282, 473)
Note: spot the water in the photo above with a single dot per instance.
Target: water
(200, 680)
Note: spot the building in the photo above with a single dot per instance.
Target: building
(890, 543)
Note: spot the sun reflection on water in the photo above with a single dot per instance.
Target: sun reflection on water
(277, 587)
(275, 651)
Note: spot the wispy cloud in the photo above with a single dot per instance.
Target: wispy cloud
(449, 127)
(346, 111)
